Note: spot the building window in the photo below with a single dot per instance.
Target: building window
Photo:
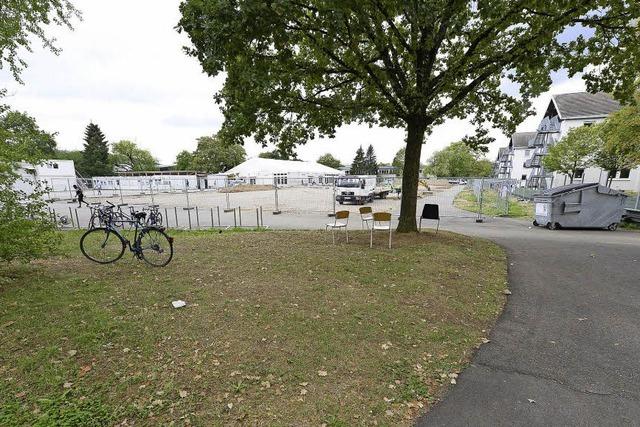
(579, 173)
(624, 173)
(280, 178)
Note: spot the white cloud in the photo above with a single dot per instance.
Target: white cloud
(124, 68)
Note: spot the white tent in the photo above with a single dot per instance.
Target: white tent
(285, 172)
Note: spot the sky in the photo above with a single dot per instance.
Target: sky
(123, 68)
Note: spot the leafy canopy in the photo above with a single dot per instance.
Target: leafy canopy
(278, 155)
(184, 160)
(128, 155)
(21, 130)
(23, 21)
(458, 160)
(329, 161)
(214, 155)
(576, 150)
(398, 160)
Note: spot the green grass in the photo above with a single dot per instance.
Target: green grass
(268, 315)
(466, 200)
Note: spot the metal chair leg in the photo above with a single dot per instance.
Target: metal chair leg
(333, 235)
(420, 226)
(389, 236)
(371, 237)
(347, 233)
(438, 226)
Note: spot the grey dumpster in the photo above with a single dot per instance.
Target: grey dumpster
(579, 206)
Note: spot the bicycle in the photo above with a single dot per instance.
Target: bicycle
(106, 244)
(154, 216)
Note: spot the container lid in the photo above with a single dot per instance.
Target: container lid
(567, 188)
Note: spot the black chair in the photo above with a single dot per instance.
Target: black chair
(430, 211)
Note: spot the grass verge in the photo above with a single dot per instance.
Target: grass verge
(280, 328)
(466, 200)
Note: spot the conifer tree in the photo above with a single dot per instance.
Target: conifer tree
(95, 157)
(358, 166)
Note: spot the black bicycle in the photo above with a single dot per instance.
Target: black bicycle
(106, 244)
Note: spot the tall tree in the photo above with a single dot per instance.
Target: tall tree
(214, 155)
(458, 160)
(20, 129)
(575, 151)
(184, 160)
(329, 161)
(298, 69)
(370, 161)
(23, 21)
(398, 161)
(128, 155)
(358, 166)
(95, 156)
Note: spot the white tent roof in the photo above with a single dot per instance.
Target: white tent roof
(259, 167)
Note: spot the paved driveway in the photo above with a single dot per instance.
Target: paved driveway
(566, 350)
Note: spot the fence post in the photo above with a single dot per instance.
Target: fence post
(240, 216)
(226, 196)
(166, 217)
(71, 217)
(275, 186)
(334, 198)
(211, 210)
(120, 187)
(479, 218)
(235, 224)
(77, 219)
(175, 211)
(197, 218)
(257, 218)
(69, 188)
(261, 218)
(218, 210)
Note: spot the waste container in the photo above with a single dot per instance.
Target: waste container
(588, 205)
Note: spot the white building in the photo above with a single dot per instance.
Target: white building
(564, 112)
(56, 177)
(283, 172)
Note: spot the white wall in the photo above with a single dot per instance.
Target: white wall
(519, 157)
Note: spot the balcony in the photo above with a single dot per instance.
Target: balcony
(549, 125)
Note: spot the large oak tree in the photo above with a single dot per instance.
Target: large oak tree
(299, 69)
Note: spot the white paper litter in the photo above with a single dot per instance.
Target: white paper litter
(178, 303)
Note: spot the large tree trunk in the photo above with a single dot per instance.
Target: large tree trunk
(410, 175)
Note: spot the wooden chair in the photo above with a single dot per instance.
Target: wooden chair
(337, 224)
(430, 211)
(381, 222)
(366, 216)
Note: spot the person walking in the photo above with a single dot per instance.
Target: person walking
(80, 196)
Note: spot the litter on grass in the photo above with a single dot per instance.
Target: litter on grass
(178, 303)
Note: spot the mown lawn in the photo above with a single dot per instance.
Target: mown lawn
(466, 200)
(280, 328)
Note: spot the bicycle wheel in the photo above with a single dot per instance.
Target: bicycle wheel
(155, 247)
(102, 245)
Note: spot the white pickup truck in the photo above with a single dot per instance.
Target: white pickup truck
(359, 189)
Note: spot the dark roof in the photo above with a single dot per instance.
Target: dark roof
(581, 105)
(521, 139)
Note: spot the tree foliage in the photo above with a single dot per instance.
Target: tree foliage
(21, 130)
(576, 150)
(358, 166)
(329, 161)
(213, 155)
(458, 160)
(128, 155)
(184, 160)
(276, 154)
(398, 161)
(26, 229)
(299, 69)
(370, 161)
(95, 156)
(23, 21)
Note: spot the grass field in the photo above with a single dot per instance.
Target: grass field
(466, 200)
(280, 328)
